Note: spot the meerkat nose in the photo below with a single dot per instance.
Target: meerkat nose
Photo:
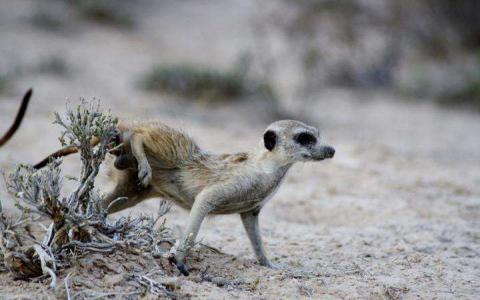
(329, 151)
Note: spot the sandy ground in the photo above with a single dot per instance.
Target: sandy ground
(394, 215)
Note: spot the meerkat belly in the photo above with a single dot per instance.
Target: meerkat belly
(239, 205)
(249, 198)
(181, 187)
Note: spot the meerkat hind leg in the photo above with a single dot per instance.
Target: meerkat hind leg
(250, 222)
(144, 169)
(126, 192)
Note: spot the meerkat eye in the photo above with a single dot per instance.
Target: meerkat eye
(305, 139)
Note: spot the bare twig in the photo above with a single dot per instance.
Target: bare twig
(47, 263)
(67, 289)
(152, 286)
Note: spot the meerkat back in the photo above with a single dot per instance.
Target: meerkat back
(165, 147)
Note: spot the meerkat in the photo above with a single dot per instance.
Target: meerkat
(168, 164)
(156, 160)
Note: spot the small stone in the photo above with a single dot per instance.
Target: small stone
(219, 281)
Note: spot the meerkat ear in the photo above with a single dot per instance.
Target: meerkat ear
(270, 139)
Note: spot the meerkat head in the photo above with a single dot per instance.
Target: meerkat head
(290, 141)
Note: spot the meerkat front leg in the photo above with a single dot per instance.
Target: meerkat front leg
(250, 222)
(200, 209)
(144, 169)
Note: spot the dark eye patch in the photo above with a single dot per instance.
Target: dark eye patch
(270, 140)
(305, 139)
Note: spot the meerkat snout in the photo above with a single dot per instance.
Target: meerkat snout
(323, 152)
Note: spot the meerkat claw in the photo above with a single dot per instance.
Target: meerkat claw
(180, 266)
(267, 264)
(145, 175)
(182, 269)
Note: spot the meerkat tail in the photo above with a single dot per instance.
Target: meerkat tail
(62, 152)
(57, 154)
(18, 119)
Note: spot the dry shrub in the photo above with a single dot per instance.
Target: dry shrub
(78, 223)
(192, 81)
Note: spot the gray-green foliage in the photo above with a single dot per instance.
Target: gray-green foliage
(110, 12)
(191, 81)
(81, 126)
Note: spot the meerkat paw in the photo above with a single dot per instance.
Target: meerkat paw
(279, 266)
(274, 266)
(179, 264)
(182, 269)
(177, 257)
(266, 263)
(144, 174)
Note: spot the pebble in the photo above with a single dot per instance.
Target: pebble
(219, 281)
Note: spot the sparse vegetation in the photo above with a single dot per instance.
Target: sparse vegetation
(78, 224)
(190, 81)
(109, 12)
(195, 82)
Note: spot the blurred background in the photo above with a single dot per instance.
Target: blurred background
(393, 85)
(345, 64)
